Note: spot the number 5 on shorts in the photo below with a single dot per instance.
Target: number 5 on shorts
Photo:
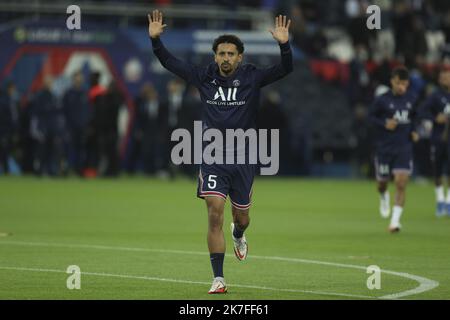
(212, 183)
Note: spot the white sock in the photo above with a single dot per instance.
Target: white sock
(440, 197)
(448, 196)
(385, 196)
(396, 214)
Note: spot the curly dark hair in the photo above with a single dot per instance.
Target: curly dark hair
(228, 38)
(401, 72)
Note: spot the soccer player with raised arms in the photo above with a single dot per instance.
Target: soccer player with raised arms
(230, 91)
(394, 116)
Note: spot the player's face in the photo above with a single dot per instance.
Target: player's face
(227, 58)
(444, 79)
(399, 86)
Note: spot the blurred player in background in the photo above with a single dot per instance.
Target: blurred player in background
(393, 114)
(96, 98)
(437, 109)
(76, 111)
(9, 121)
(47, 127)
(242, 83)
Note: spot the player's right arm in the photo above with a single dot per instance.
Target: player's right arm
(376, 116)
(156, 27)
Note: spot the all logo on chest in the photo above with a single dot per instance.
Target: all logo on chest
(224, 96)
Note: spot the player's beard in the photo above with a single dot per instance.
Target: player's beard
(228, 69)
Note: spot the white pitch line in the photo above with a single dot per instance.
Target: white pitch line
(424, 283)
(124, 276)
(186, 281)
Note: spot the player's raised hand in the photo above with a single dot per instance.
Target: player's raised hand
(281, 31)
(155, 25)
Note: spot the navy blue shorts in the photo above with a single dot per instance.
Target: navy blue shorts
(392, 163)
(235, 181)
(439, 153)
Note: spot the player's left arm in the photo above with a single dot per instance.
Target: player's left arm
(281, 34)
(376, 114)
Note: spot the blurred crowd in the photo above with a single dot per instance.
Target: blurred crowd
(78, 132)
(48, 135)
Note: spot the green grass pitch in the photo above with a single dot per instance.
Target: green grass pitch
(140, 238)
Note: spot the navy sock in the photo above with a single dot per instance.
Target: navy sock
(237, 233)
(217, 263)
